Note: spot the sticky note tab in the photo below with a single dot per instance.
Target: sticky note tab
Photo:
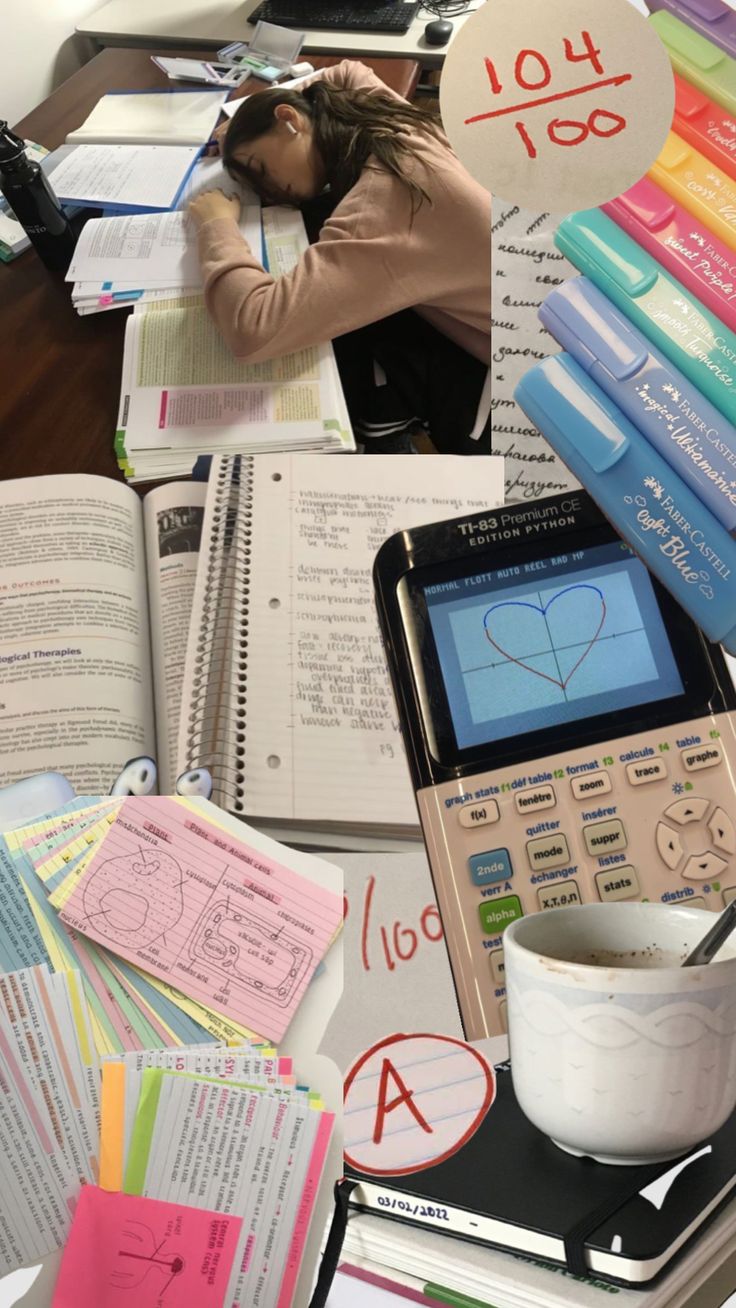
(160, 1252)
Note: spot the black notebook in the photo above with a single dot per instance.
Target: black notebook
(509, 1186)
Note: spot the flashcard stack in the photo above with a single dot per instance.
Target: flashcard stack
(49, 1111)
(255, 1150)
(185, 933)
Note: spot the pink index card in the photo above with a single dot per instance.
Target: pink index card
(164, 1255)
(217, 919)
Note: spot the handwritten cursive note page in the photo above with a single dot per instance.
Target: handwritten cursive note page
(526, 267)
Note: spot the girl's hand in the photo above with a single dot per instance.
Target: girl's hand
(214, 147)
(214, 204)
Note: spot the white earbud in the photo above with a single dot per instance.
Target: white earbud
(138, 777)
(197, 782)
(291, 128)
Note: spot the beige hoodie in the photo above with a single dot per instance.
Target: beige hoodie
(371, 259)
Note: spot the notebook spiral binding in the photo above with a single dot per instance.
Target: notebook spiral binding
(218, 706)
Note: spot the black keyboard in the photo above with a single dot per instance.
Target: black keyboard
(360, 16)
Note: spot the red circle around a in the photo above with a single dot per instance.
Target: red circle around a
(488, 1098)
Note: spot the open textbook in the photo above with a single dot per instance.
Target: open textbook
(184, 394)
(95, 602)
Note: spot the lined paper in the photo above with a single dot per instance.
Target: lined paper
(222, 922)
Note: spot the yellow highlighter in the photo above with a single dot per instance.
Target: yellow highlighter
(696, 184)
(698, 60)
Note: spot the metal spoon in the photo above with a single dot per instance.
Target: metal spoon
(712, 941)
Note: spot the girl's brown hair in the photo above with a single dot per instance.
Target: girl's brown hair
(348, 127)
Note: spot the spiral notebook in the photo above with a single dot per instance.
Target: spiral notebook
(286, 694)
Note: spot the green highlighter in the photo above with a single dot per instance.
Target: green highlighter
(698, 60)
(670, 317)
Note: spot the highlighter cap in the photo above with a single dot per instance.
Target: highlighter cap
(598, 247)
(592, 330)
(644, 204)
(582, 424)
(681, 41)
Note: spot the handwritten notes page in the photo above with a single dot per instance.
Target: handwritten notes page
(526, 266)
(322, 738)
(163, 1253)
(224, 923)
(124, 176)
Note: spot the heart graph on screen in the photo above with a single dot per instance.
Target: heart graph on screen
(581, 608)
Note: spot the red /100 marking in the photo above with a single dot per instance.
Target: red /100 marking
(398, 943)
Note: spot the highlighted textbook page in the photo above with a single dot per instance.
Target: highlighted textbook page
(183, 393)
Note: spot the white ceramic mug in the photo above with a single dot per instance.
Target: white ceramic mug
(628, 1062)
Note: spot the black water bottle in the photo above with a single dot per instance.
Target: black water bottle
(27, 191)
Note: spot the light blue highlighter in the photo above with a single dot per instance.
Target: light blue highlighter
(694, 339)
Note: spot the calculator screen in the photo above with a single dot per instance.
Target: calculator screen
(549, 641)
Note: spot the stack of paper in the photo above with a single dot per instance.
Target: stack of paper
(237, 1147)
(49, 1124)
(184, 395)
(440, 1266)
(183, 931)
(145, 258)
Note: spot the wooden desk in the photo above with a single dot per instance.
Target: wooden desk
(217, 22)
(59, 373)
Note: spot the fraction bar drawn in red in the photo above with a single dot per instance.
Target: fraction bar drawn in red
(547, 99)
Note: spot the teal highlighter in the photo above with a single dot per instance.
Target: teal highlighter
(697, 59)
(694, 339)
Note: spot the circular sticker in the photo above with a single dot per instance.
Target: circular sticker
(557, 104)
(412, 1101)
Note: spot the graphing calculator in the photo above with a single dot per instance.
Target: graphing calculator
(569, 730)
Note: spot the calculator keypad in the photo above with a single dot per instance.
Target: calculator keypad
(651, 816)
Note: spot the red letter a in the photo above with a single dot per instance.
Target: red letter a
(405, 1097)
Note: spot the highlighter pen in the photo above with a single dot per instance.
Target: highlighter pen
(683, 246)
(694, 339)
(705, 126)
(698, 60)
(701, 188)
(694, 438)
(713, 19)
(641, 495)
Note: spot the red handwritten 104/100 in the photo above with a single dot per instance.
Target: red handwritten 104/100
(533, 72)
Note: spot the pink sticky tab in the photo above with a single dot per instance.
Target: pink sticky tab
(161, 1253)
